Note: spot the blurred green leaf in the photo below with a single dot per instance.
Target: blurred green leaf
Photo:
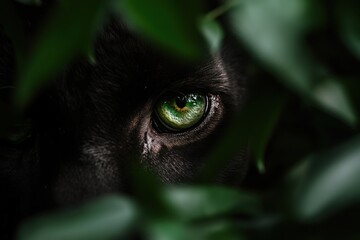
(147, 189)
(171, 24)
(168, 229)
(204, 202)
(258, 140)
(220, 229)
(274, 30)
(108, 218)
(348, 20)
(332, 96)
(69, 32)
(251, 130)
(328, 183)
(212, 32)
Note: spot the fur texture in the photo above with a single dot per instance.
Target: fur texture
(95, 119)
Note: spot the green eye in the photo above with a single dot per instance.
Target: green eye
(182, 111)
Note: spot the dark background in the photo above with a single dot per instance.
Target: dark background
(301, 119)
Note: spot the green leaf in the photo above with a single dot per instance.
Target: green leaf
(348, 20)
(331, 95)
(168, 229)
(220, 229)
(108, 218)
(268, 116)
(212, 32)
(204, 202)
(147, 189)
(171, 24)
(68, 33)
(274, 30)
(251, 130)
(328, 183)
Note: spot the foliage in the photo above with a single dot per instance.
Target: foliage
(301, 122)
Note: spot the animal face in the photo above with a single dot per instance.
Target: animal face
(134, 104)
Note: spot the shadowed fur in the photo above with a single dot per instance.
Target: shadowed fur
(96, 118)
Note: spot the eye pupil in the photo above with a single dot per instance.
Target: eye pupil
(180, 101)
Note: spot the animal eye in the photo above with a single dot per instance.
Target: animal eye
(179, 112)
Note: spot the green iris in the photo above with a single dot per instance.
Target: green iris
(181, 111)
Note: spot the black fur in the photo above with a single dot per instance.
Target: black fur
(97, 117)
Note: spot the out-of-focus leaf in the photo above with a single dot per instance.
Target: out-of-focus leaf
(332, 96)
(108, 218)
(168, 229)
(212, 32)
(270, 113)
(221, 229)
(204, 202)
(328, 182)
(348, 19)
(274, 30)
(69, 32)
(250, 131)
(171, 24)
(147, 189)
